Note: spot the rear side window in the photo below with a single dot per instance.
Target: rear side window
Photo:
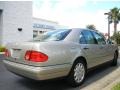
(88, 37)
(82, 39)
(99, 37)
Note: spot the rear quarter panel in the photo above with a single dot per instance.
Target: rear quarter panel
(58, 52)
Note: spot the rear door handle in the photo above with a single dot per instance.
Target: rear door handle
(72, 47)
(85, 48)
(101, 47)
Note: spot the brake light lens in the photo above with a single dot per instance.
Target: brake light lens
(7, 53)
(35, 56)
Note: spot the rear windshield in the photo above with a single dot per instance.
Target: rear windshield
(55, 35)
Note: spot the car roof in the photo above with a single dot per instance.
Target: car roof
(81, 29)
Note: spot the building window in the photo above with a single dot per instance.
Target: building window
(40, 32)
(35, 33)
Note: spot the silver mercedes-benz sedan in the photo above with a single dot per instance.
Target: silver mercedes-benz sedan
(60, 53)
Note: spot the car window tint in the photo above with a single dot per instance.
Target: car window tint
(82, 39)
(88, 37)
(99, 37)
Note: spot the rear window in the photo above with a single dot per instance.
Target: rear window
(55, 35)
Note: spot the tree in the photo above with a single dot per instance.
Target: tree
(115, 16)
(91, 26)
(116, 37)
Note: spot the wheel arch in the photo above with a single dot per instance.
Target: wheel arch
(81, 58)
(78, 59)
(70, 78)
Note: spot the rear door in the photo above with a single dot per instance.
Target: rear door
(90, 48)
(103, 47)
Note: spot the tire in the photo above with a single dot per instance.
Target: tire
(76, 78)
(114, 61)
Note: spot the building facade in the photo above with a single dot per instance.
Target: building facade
(41, 25)
(17, 23)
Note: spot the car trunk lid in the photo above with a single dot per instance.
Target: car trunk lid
(17, 51)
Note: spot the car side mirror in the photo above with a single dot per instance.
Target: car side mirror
(110, 42)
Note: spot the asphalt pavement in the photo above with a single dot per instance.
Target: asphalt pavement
(10, 81)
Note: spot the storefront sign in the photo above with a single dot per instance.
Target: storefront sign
(35, 25)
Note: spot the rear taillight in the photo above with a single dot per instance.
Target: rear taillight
(35, 56)
(7, 53)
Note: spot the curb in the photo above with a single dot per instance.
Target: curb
(110, 86)
(106, 82)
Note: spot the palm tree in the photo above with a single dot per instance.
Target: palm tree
(91, 26)
(115, 16)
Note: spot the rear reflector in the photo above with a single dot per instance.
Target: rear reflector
(35, 56)
(7, 53)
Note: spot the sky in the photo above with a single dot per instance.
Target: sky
(76, 13)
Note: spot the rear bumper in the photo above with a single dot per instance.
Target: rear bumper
(38, 73)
